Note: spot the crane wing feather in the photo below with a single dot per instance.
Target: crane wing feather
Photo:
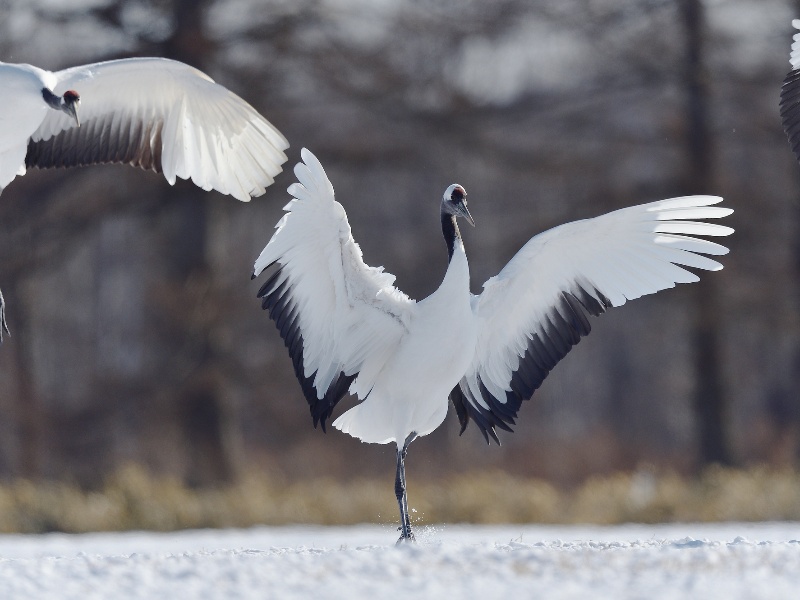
(536, 309)
(339, 318)
(162, 115)
(790, 96)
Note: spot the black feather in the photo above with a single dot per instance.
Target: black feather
(790, 110)
(104, 139)
(278, 300)
(563, 327)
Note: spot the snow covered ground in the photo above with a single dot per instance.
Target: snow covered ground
(736, 560)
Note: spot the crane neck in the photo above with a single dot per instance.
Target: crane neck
(451, 233)
(51, 99)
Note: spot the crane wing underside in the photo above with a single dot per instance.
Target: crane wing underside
(277, 298)
(533, 313)
(99, 141)
(561, 329)
(340, 319)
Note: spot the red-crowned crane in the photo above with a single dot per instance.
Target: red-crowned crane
(348, 329)
(152, 113)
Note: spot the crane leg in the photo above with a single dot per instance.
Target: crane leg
(406, 535)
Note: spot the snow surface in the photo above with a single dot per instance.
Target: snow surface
(735, 560)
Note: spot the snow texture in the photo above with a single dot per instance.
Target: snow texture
(729, 561)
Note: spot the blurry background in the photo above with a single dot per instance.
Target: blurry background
(137, 338)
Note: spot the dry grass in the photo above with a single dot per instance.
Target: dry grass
(133, 499)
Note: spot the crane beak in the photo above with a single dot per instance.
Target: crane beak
(463, 211)
(70, 106)
(72, 111)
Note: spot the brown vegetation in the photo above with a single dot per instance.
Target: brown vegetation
(134, 499)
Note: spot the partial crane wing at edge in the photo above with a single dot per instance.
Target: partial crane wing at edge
(790, 96)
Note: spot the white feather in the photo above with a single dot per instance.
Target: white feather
(794, 57)
(624, 254)
(346, 313)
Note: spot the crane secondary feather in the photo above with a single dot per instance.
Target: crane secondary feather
(348, 329)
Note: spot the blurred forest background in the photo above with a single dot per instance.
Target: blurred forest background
(136, 333)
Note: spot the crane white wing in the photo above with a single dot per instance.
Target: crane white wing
(23, 111)
(339, 318)
(790, 96)
(162, 115)
(535, 310)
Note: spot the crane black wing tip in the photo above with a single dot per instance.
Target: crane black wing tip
(256, 272)
(485, 420)
(489, 434)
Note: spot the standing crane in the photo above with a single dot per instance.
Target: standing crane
(151, 113)
(348, 329)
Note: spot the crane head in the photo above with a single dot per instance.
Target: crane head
(454, 202)
(70, 104)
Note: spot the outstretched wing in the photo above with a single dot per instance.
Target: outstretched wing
(533, 313)
(339, 318)
(162, 115)
(790, 96)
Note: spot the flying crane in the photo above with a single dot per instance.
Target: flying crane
(151, 113)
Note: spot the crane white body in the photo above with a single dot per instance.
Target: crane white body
(432, 356)
(348, 328)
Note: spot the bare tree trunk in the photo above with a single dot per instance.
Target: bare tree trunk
(201, 408)
(28, 408)
(709, 401)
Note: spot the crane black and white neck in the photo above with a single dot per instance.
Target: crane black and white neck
(348, 329)
(454, 204)
(151, 113)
